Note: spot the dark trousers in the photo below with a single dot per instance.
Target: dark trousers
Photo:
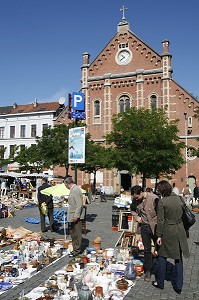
(76, 236)
(177, 273)
(50, 217)
(103, 197)
(147, 235)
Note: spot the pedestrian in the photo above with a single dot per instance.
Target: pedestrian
(145, 214)
(25, 185)
(117, 190)
(196, 192)
(175, 189)
(3, 188)
(172, 240)
(75, 215)
(102, 193)
(92, 188)
(45, 200)
(186, 191)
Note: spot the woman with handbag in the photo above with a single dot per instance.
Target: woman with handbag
(172, 240)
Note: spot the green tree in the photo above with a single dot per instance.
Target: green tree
(97, 157)
(53, 146)
(144, 141)
(30, 158)
(3, 160)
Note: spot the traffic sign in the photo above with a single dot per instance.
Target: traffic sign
(77, 101)
(78, 115)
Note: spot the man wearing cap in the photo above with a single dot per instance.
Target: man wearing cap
(75, 215)
(48, 200)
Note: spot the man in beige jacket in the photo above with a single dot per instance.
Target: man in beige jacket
(75, 215)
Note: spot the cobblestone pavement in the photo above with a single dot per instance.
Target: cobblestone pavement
(99, 223)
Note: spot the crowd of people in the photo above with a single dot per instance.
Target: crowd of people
(158, 213)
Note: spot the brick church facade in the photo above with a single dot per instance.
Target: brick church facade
(129, 73)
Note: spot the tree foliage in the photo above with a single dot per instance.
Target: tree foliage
(145, 142)
(3, 161)
(97, 157)
(30, 158)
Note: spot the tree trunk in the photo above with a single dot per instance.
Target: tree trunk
(144, 182)
(66, 167)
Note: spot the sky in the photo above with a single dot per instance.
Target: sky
(42, 42)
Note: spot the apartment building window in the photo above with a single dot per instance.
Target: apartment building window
(2, 151)
(44, 126)
(12, 132)
(2, 130)
(23, 131)
(12, 150)
(33, 130)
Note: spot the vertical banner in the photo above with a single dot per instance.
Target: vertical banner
(76, 145)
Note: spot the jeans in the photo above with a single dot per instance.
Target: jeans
(177, 274)
(43, 219)
(147, 235)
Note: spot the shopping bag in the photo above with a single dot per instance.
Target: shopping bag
(44, 208)
(188, 218)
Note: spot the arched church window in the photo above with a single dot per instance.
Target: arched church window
(124, 104)
(153, 101)
(127, 103)
(97, 108)
(121, 103)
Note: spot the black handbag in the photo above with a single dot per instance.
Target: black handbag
(188, 218)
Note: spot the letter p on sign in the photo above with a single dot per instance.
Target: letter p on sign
(77, 101)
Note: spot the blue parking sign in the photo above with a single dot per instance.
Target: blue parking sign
(77, 101)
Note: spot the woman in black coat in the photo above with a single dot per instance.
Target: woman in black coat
(172, 240)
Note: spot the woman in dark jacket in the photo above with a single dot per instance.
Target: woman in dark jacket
(172, 240)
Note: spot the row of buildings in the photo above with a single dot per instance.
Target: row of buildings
(126, 73)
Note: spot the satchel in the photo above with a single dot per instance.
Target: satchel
(188, 218)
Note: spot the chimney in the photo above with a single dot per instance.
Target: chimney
(35, 103)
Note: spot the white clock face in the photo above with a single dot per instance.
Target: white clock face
(123, 57)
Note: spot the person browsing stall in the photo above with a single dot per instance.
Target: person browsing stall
(144, 212)
(75, 215)
(48, 202)
(172, 239)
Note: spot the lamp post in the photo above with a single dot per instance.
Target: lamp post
(185, 125)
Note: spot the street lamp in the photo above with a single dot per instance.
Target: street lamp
(185, 125)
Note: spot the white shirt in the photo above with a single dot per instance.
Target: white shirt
(176, 190)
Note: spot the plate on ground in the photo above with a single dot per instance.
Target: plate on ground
(39, 289)
(33, 296)
(116, 292)
(61, 272)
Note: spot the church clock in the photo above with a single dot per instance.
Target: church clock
(123, 57)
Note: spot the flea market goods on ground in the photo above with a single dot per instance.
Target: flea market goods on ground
(105, 262)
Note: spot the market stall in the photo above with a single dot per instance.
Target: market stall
(97, 274)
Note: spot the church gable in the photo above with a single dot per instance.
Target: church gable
(125, 53)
